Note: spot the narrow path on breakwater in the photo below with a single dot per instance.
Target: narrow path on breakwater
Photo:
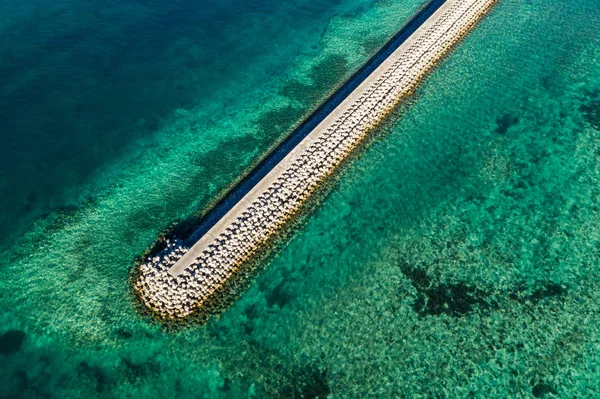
(180, 280)
(307, 126)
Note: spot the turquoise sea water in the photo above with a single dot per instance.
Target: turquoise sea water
(457, 257)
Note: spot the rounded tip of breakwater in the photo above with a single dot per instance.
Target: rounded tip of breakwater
(200, 291)
(155, 288)
(179, 283)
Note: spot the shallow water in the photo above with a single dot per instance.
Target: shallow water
(457, 257)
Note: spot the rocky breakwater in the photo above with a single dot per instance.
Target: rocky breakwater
(180, 281)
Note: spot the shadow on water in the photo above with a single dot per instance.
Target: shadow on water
(333, 68)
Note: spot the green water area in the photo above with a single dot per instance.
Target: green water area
(456, 257)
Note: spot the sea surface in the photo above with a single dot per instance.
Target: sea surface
(457, 256)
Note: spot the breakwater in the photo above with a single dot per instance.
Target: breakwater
(178, 281)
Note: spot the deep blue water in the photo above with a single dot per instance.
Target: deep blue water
(82, 80)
